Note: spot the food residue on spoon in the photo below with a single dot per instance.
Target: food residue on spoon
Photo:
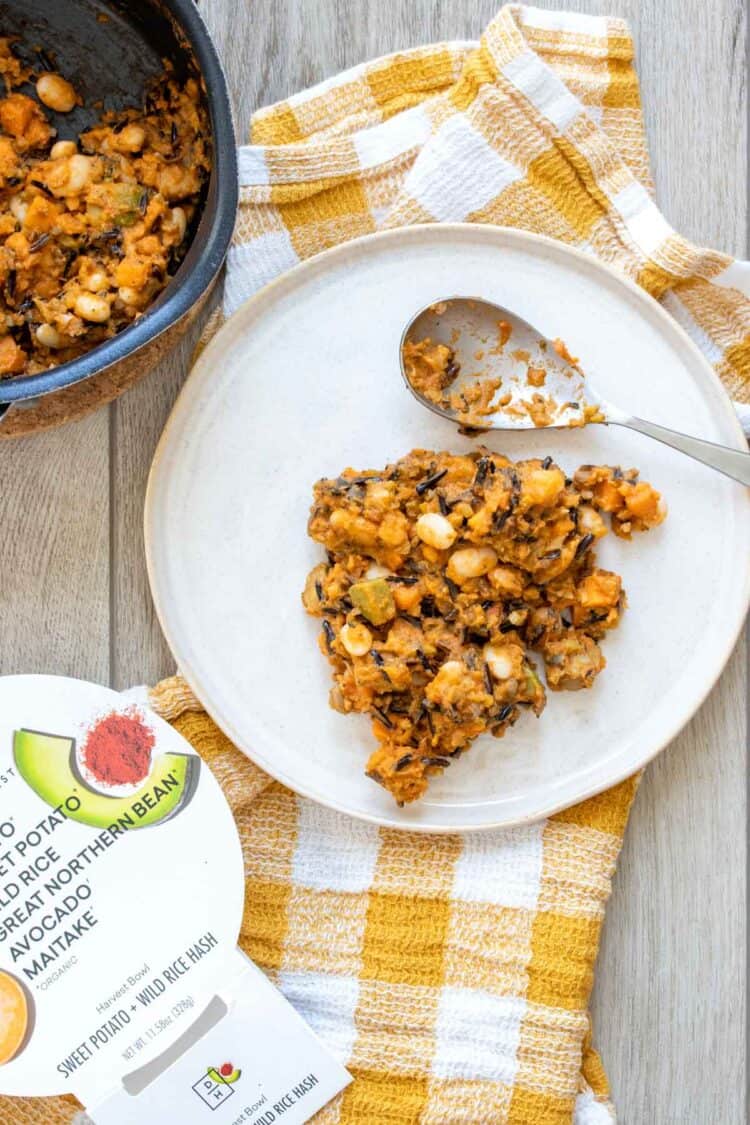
(562, 350)
(432, 368)
(504, 330)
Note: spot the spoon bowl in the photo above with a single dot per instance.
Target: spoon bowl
(483, 367)
(489, 342)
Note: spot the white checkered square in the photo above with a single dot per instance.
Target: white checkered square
(477, 1035)
(398, 135)
(252, 166)
(504, 868)
(543, 88)
(646, 224)
(457, 172)
(333, 852)
(571, 23)
(252, 265)
(327, 1004)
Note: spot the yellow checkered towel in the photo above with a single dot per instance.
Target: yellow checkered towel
(450, 974)
(538, 126)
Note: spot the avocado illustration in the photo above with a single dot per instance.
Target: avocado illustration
(45, 762)
(226, 1073)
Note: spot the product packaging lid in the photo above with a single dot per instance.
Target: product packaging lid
(121, 897)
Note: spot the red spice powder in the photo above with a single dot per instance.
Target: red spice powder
(117, 750)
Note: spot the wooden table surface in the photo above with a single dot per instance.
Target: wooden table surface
(669, 998)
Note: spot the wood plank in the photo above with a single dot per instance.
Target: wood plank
(669, 1000)
(54, 515)
(139, 651)
(668, 1003)
(671, 973)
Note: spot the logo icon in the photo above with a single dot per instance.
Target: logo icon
(227, 1072)
(216, 1084)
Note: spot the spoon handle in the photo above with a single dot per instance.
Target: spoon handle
(732, 462)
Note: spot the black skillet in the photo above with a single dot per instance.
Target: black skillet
(110, 51)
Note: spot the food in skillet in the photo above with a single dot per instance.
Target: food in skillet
(90, 229)
(444, 572)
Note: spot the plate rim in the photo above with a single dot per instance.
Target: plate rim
(720, 400)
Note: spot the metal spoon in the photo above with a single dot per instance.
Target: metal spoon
(536, 381)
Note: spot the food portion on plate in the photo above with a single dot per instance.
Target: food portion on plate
(444, 572)
(91, 229)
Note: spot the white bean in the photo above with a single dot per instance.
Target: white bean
(62, 149)
(54, 92)
(499, 661)
(79, 170)
(128, 295)
(590, 522)
(132, 138)
(435, 530)
(48, 336)
(356, 639)
(442, 688)
(374, 570)
(92, 308)
(96, 281)
(18, 208)
(470, 562)
(179, 222)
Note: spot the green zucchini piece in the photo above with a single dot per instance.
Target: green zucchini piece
(374, 600)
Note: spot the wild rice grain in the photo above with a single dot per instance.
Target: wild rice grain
(382, 717)
(329, 633)
(430, 482)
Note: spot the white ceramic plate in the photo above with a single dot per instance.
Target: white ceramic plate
(304, 381)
